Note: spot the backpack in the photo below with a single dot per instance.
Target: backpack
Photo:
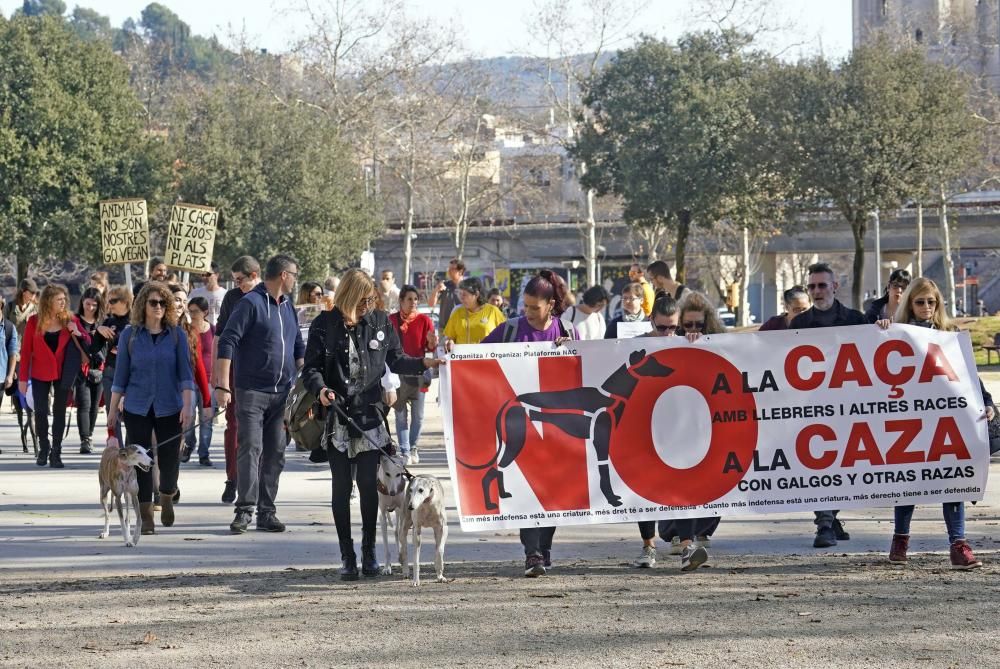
(510, 330)
(304, 422)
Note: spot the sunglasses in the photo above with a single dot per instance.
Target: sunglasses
(925, 302)
(157, 304)
(818, 286)
(318, 293)
(694, 325)
(664, 328)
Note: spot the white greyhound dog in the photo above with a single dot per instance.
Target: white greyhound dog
(117, 478)
(391, 483)
(424, 507)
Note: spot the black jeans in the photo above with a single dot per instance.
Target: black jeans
(140, 431)
(366, 464)
(647, 529)
(537, 539)
(40, 391)
(88, 401)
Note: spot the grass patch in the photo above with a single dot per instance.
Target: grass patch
(982, 330)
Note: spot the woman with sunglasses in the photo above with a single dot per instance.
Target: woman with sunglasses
(43, 350)
(632, 296)
(153, 374)
(310, 293)
(922, 305)
(346, 355)
(885, 307)
(88, 386)
(106, 341)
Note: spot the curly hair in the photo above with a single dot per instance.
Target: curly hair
(138, 315)
(698, 302)
(47, 314)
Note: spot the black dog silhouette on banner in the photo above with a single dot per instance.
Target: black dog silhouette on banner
(583, 413)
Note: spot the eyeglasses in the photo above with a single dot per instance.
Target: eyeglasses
(295, 275)
(818, 286)
(694, 325)
(630, 298)
(157, 304)
(925, 302)
(901, 285)
(114, 300)
(368, 302)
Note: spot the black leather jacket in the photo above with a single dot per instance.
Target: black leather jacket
(327, 364)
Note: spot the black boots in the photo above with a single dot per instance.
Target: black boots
(55, 457)
(349, 570)
(43, 453)
(369, 565)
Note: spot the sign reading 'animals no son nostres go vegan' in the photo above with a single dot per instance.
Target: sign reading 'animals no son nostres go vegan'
(733, 424)
(191, 237)
(124, 231)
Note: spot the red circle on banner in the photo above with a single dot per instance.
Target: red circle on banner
(632, 450)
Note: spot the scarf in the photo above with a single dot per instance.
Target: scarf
(404, 320)
(632, 318)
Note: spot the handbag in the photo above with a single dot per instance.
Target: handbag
(74, 364)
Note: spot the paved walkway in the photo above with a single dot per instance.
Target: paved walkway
(49, 521)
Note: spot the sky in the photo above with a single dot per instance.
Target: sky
(803, 27)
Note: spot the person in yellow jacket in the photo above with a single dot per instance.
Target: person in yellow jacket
(471, 322)
(638, 275)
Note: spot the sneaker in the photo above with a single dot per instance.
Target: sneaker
(269, 522)
(205, 462)
(414, 457)
(86, 447)
(646, 559)
(703, 540)
(839, 531)
(962, 557)
(229, 494)
(241, 522)
(547, 559)
(675, 546)
(534, 566)
(186, 453)
(693, 557)
(825, 537)
(897, 551)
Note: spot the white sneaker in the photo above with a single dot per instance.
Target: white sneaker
(704, 540)
(414, 457)
(675, 546)
(693, 557)
(409, 460)
(646, 559)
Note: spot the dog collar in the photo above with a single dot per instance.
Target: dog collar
(382, 489)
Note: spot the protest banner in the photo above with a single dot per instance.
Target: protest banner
(124, 231)
(733, 424)
(191, 237)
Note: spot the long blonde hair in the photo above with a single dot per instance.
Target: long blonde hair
(698, 302)
(355, 287)
(922, 287)
(47, 314)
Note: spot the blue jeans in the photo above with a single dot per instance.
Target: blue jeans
(954, 520)
(204, 431)
(409, 397)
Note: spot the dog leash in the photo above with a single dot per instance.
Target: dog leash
(370, 440)
(215, 414)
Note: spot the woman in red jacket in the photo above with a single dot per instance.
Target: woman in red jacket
(43, 350)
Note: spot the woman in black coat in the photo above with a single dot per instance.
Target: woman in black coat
(347, 352)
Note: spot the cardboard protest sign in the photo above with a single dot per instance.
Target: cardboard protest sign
(124, 231)
(191, 237)
(733, 424)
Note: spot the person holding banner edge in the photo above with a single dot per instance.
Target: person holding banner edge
(922, 305)
(826, 312)
(544, 300)
(347, 351)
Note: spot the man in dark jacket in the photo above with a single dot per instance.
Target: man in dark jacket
(265, 320)
(826, 312)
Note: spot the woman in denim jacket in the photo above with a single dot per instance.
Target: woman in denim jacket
(155, 385)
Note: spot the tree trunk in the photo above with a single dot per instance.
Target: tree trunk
(920, 241)
(592, 278)
(408, 227)
(744, 307)
(949, 264)
(683, 229)
(22, 263)
(859, 228)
